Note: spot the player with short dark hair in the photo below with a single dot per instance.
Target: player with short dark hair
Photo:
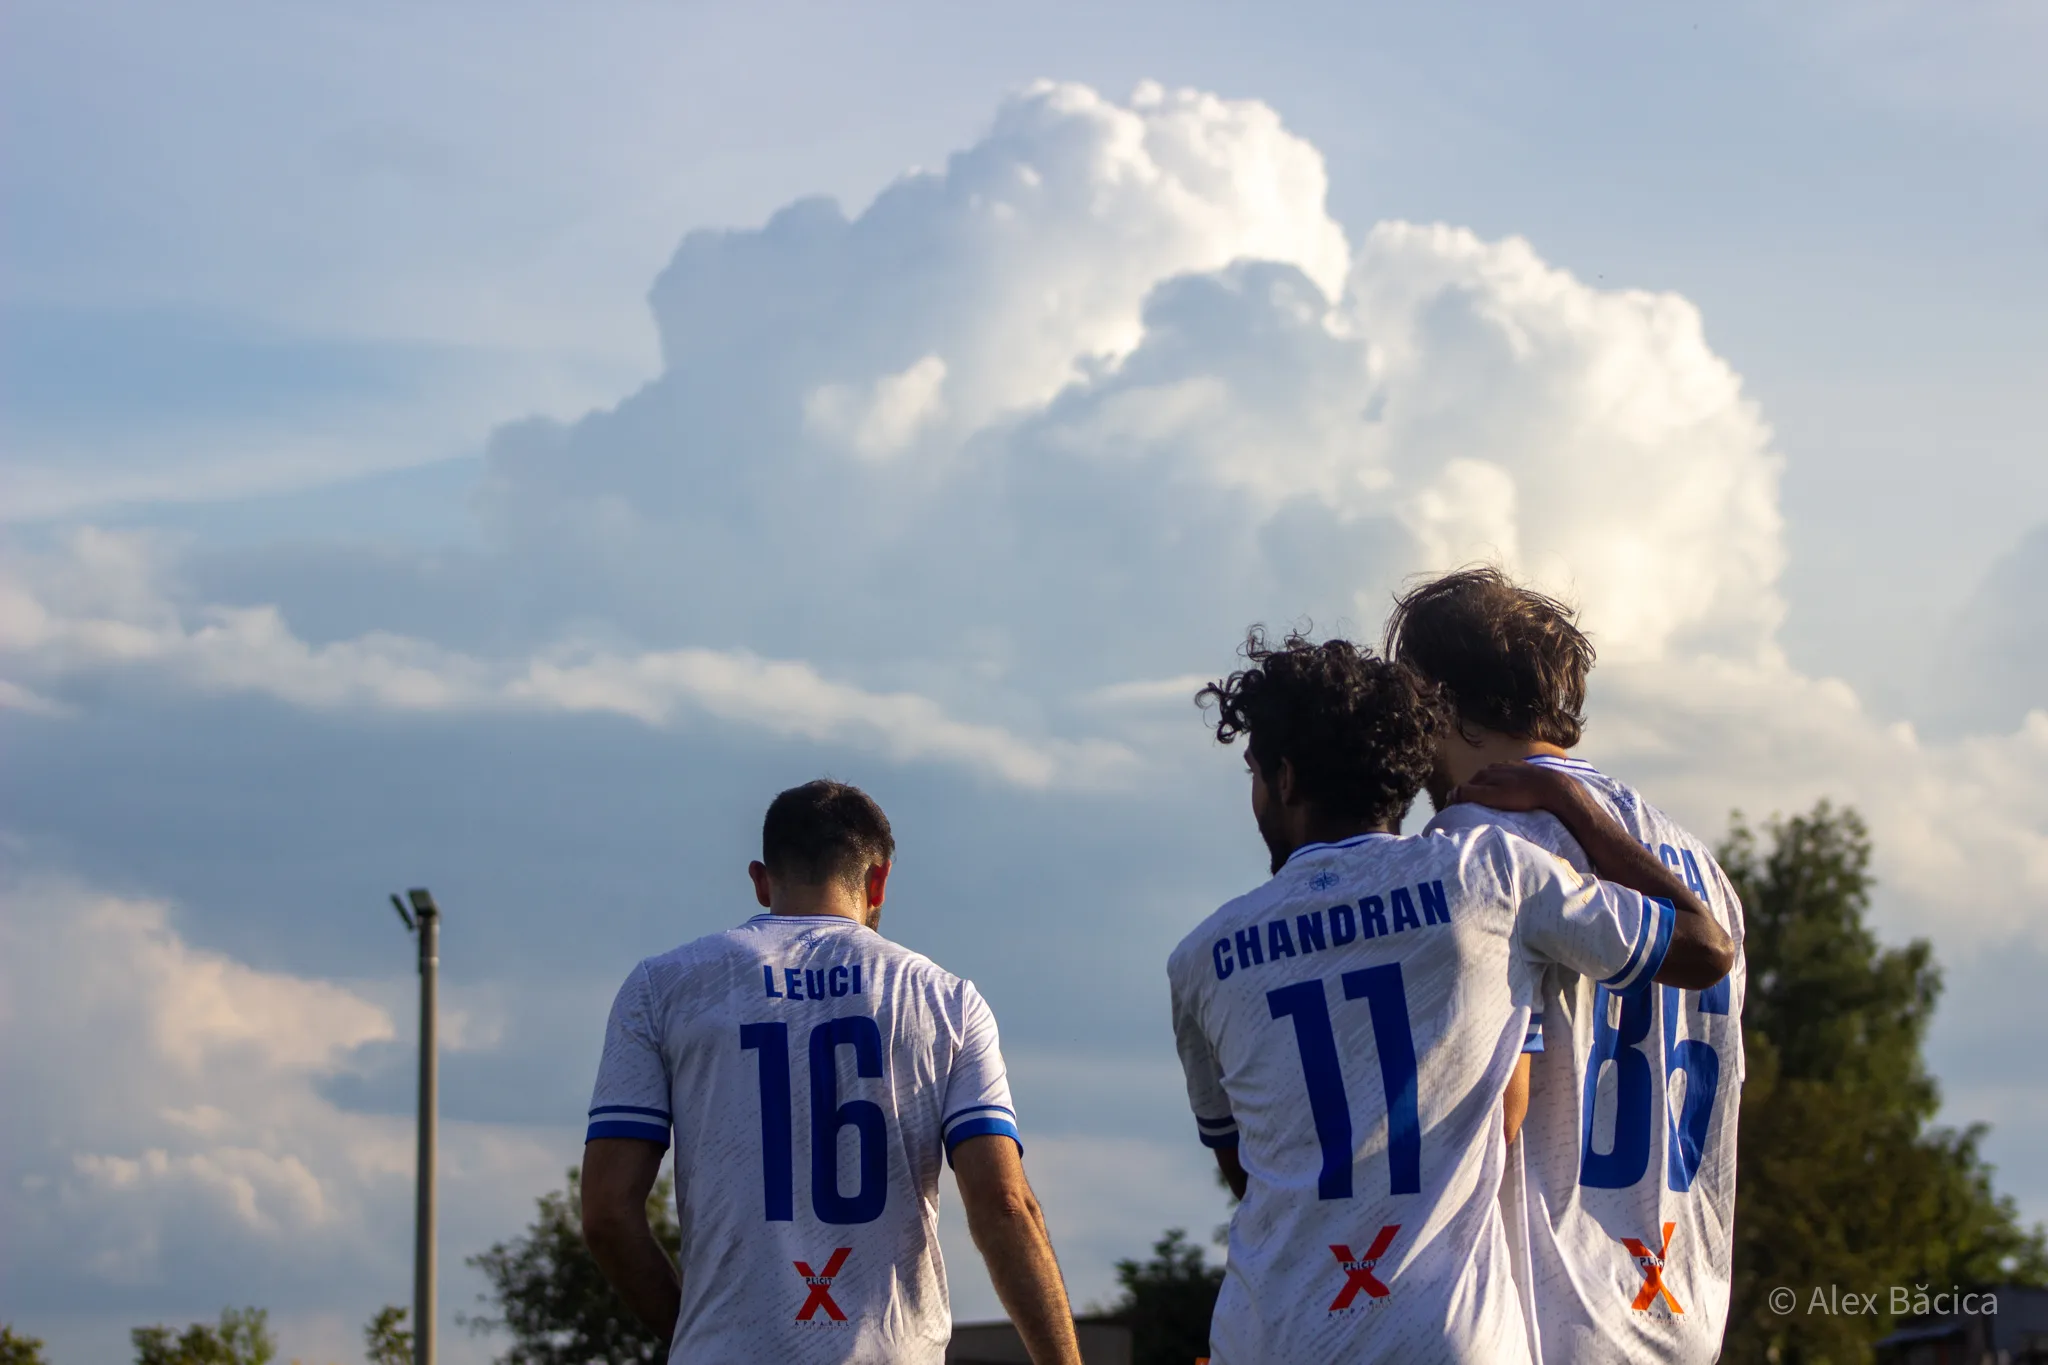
(815, 1075)
(1348, 1029)
(1624, 1175)
(825, 831)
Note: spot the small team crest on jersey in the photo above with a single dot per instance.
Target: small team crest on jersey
(1358, 1271)
(820, 1282)
(1652, 1264)
(1323, 880)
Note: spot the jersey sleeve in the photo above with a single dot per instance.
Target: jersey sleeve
(1214, 1123)
(1541, 828)
(978, 1087)
(631, 1099)
(1614, 935)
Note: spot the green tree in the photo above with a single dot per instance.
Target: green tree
(385, 1338)
(16, 1349)
(1841, 1179)
(548, 1294)
(1167, 1301)
(242, 1338)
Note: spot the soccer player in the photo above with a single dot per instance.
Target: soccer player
(1627, 1154)
(814, 1075)
(1348, 1029)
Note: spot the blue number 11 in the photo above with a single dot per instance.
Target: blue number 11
(1308, 1005)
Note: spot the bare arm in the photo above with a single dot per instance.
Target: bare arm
(1232, 1169)
(1515, 1103)
(618, 1173)
(1701, 952)
(1009, 1228)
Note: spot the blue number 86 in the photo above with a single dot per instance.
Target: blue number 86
(1619, 1042)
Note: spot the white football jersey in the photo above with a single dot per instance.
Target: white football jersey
(1628, 1153)
(1350, 1027)
(815, 1074)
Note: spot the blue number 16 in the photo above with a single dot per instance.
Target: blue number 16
(1309, 1006)
(828, 1116)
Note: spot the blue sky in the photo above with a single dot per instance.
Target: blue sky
(461, 448)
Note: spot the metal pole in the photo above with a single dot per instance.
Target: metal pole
(429, 918)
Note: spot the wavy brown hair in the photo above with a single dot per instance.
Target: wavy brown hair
(1507, 657)
(1360, 731)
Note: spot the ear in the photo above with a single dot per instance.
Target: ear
(878, 884)
(758, 870)
(1283, 782)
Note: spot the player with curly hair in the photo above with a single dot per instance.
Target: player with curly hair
(1348, 1028)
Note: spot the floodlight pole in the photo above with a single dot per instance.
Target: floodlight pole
(428, 920)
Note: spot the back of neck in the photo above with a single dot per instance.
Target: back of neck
(1488, 747)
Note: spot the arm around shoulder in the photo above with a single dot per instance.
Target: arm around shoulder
(1692, 950)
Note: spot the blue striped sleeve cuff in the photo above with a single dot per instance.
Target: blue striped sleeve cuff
(1532, 1041)
(628, 1121)
(1217, 1132)
(1660, 917)
(979, 1120)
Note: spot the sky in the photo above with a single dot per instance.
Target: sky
(497, 447)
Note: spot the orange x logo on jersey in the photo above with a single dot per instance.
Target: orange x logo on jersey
(1358, 1269)
(1652, 1263)
(820, 1282)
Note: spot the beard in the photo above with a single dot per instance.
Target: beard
(1276, 842)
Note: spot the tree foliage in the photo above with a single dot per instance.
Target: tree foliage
(16, 1349)
(241, 1338)
(1167, 1301)
(386, 1339)
(1841, 1179)
(548, 1294)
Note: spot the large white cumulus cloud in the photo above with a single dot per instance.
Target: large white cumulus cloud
(1118, 365)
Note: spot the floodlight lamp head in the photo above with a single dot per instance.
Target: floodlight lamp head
(423, 903)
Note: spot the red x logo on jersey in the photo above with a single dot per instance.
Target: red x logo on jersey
(1652, 1263)
(820, 1282)
(1358, 1269)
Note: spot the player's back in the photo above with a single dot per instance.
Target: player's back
(1628, 1150)
(1350, 1026)
(815, 1074)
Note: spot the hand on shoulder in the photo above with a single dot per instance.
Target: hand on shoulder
(1516, 786)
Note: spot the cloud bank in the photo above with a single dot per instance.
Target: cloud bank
(183, 1133)
(1065, 415)
(100, 606)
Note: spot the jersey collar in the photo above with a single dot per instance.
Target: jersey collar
(1575, 765)
(1353, 842)
(770, 917)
